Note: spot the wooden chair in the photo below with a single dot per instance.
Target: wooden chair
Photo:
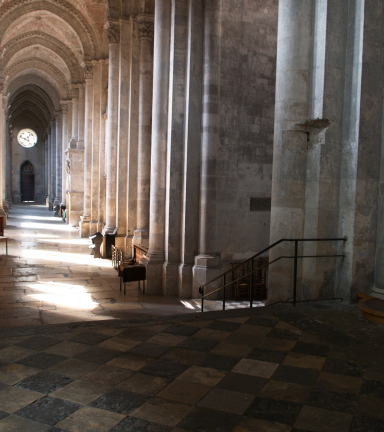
(242, 280)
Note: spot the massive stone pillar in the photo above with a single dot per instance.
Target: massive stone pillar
(112, 124)
(64, 146)
(141, 234)
(48, 162)
(58, 167)
(155, 256)
(292, 115)
(53, 159)
(2, 155)
(75, 118)
(176, 116)
(207, 262)
(192, 146)
(45, 170)
(81, 113)
(84, 226)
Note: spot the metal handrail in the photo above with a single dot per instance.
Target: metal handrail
(295, 257)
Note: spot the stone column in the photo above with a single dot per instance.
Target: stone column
(84, 227)
(45, 170)
(192, 148)
(75, 118)
(81, 114)
(59, 152)
(208, 261)
(64, 145)
(53, 159)
(2, 155)
(292, 126)
(145, 23)
(113, 31)
(155, 256)
(48, 162)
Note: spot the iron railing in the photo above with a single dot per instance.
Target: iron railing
(295, 257)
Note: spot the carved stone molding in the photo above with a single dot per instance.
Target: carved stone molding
(68, 166)
(146, 29)
(75, 93)
(64, 107)
(88, 72)
(113, 31)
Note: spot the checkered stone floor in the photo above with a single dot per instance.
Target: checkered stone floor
(244, 373)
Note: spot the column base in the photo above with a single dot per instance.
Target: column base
(154, 262)
(4, 215)
(206, 268)
(100, 226)
(185, 281)
(171, 279)
(84, 226)
(141, 237)
(47, 201)
(108, 230)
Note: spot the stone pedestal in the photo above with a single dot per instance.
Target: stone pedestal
(206, 268)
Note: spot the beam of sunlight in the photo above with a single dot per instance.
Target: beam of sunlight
(73, 258)
(188, 305)
(73, 296)
(46, 218)
(16, 234)
(50, 227)
(64, 241)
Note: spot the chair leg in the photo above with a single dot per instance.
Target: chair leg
(120, 283)
(125, 284)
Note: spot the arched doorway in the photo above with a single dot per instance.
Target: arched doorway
(27, 182)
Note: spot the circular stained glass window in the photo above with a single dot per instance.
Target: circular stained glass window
(27, 138)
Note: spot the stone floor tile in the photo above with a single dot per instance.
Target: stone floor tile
(161, 411)
(368, 406)
(321, 420)
(119, 401)
(257, 425)
(224, 325)
(73, 368)
(242, 383)
(244, 339)
(371, 374)
(201, 375)
(181, 330)
(108, 375)
(55, 429)
(90, 338)
(14, 423)
(184, 392)
(13, 373)
(339, 383)
(205, 419)
(286, 391)
(233, 350)
(166, 339)
(97, 355)
(44, 382)
(372, 388)
(278, 333)
(219, 362)
(3, 386)
(252, 331)
(182, 355)
(12, 354)
(274, 410)
(296, 375)
(331, 400)
(132, 424)
(304, 361)
(81, 392)
(198, 344)
(226, 400)
(272, 356)
(277, 344)
(129, 361)
(48, 410)
(89, 419)
(263, 321)
(151, 350)
(138, 334)
(118, 344)
(341, 367)
(364, 424)
(240, 319)
(311, 349)
(39, 342)
(67, 348)
(13, 398)
(158, 327)
(214, 335)
(144, 384)
(164, 369)
(255, 368)
(3, 414)
(42, 360)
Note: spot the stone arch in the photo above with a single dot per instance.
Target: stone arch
(37, 94)
(43, 39)
(88, 37)
(39, 64)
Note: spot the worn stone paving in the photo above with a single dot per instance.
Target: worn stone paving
(236, 371)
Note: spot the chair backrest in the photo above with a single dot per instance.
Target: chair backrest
(2, 224)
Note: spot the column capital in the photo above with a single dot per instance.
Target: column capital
(112, 26)
(88, 70)
(57, 115)
(53, 124)
(64, 107)
(145, 24)
(75, 92)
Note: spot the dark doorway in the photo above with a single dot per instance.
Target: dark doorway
(27, 182)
